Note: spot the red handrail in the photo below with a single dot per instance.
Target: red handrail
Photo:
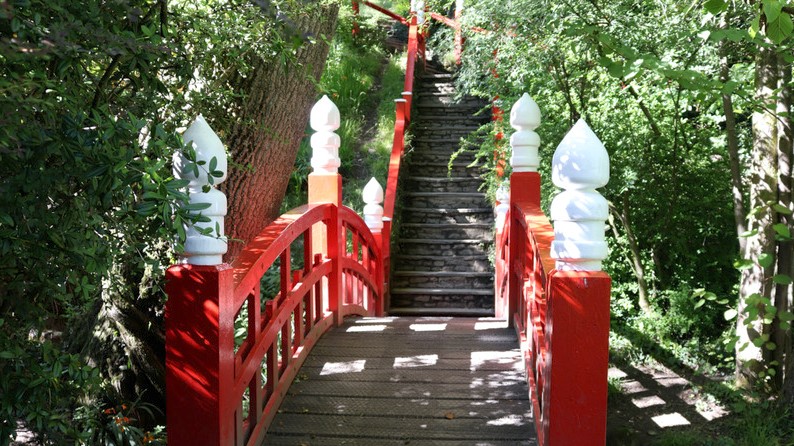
(220, 393)
(562, 321)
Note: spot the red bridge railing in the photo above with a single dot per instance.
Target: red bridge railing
(549, 284)
(231, 350)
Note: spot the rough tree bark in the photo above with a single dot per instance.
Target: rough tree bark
(271, 123)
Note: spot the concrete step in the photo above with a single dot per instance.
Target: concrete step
(448, 231)
(436, 200)
(462, 128)
(440, 247)
(431, 118)
(441, 298)
(482, 281)
(447, 215)
(434, 184)
(471, 263)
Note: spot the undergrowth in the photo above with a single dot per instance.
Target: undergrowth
(363, 80)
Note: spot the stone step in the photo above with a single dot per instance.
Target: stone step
(440, 247)
(470, 263)
(429, 78)
(440, 170)
(482, 281)
(441, 298)
(448, 231)
(462, 128)
(434, 184)
(423, 155)
(436, 200)
(447, 215)
(442, 117)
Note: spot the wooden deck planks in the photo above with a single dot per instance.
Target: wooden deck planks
(409, 381)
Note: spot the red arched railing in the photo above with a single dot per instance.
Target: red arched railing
(232, 354)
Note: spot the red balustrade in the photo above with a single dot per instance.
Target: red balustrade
(224, 389)
(561, 318)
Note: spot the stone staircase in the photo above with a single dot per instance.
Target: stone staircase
(441, 264)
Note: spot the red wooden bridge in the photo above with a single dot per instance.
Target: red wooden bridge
(319, 361)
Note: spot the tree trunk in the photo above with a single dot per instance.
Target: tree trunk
(634, 250)
(785, 260)
(739, 211)
(271, 123)
(756, 281)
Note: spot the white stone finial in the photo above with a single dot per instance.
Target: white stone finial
(210, 159)
(525, 118)
(325, 143)
(503, 197)
(579, 212)
(420, 12)
(373, 211)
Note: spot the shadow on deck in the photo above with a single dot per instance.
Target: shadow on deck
(409, 381)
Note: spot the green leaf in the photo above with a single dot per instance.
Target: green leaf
(196, 206)
(780, 29)
(781, 279)
(751, 233)
(782, 230)
(730, 314)
(743, 264)
(786, 316)
(770, 346)
(700, 303)
(715, 6)
(765, 260)
(755, 25)
(772, 10)
(780, 209)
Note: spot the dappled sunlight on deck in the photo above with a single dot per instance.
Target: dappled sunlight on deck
(417, 380)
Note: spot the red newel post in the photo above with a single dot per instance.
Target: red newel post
(199, 355)
(578, 294)
(325, 186)
(524, 183)
(575, 400)
(199, 345)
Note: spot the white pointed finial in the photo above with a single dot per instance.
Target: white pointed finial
(210, 159)
(525, 118)
(420, 12)
(373, 211)
(325, 143)
(503, 197)
(580, 165)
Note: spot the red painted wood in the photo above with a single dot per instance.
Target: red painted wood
(356, 10)
(207, 378)
(197, 363)
(578, 353)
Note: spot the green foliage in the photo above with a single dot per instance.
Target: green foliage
(93, 97)
(363, 82)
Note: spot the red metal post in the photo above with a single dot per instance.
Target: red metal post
(199, 355)
(575, 398)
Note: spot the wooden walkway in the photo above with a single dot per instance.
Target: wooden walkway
(409, 381)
